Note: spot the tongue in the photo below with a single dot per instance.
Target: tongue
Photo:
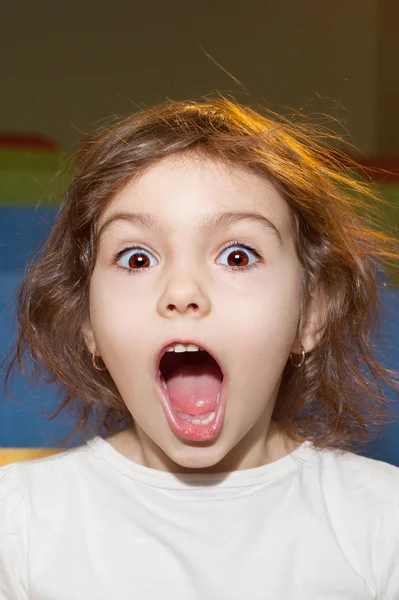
(193, 388)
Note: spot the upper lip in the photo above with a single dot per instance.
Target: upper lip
(186, 341)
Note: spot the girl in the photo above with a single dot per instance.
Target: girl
(207, 295)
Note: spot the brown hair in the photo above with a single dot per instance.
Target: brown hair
(330, 399)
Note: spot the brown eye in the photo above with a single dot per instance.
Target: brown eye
(135, 259)
(138, 260)
(237, 258)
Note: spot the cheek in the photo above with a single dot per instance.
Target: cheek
(260, 342)
(118, 314)
(266, 308)
(261, 337)
(264, 338)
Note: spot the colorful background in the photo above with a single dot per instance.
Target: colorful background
(33, 174)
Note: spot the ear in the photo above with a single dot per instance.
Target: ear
(314, 320)
(88, 336)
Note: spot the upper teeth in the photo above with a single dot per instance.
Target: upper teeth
(183, 348)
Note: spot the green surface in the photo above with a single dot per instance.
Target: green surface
(390, 192)
(32, 177)
(387, 218)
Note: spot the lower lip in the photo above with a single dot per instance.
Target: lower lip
(190, 431)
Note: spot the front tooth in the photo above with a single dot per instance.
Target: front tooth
(192, 348)
(180, 348)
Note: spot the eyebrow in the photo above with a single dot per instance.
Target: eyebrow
(211, 224)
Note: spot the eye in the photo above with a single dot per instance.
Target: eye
(237, 256)
(134, 258)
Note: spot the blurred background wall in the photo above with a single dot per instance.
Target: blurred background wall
(386, 113)
(66, 68)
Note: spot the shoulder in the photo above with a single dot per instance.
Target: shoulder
(12, 503)
(47, 483)
(356, 484)
(21, 482)
(363, 477)
(13, 536)
(360, 499)
(52, 476)
(11, 498)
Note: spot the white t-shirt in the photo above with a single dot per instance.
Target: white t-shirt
(90, 524)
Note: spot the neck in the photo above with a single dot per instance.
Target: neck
(252, 451)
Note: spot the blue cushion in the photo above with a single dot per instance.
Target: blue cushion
(22, 231)
(21, 421)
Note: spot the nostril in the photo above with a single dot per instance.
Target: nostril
(173, 307)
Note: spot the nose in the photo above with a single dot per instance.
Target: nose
(184, 295)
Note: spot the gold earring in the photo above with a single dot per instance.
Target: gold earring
(302, 358)
(93, 362)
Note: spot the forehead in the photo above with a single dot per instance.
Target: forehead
(182, 189)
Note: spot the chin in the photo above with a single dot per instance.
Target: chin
(199, 456)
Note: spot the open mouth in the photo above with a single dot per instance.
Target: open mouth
(192, 384)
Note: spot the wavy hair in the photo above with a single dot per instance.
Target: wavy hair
(336, 397)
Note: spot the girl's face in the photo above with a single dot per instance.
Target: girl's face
(187, 289)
